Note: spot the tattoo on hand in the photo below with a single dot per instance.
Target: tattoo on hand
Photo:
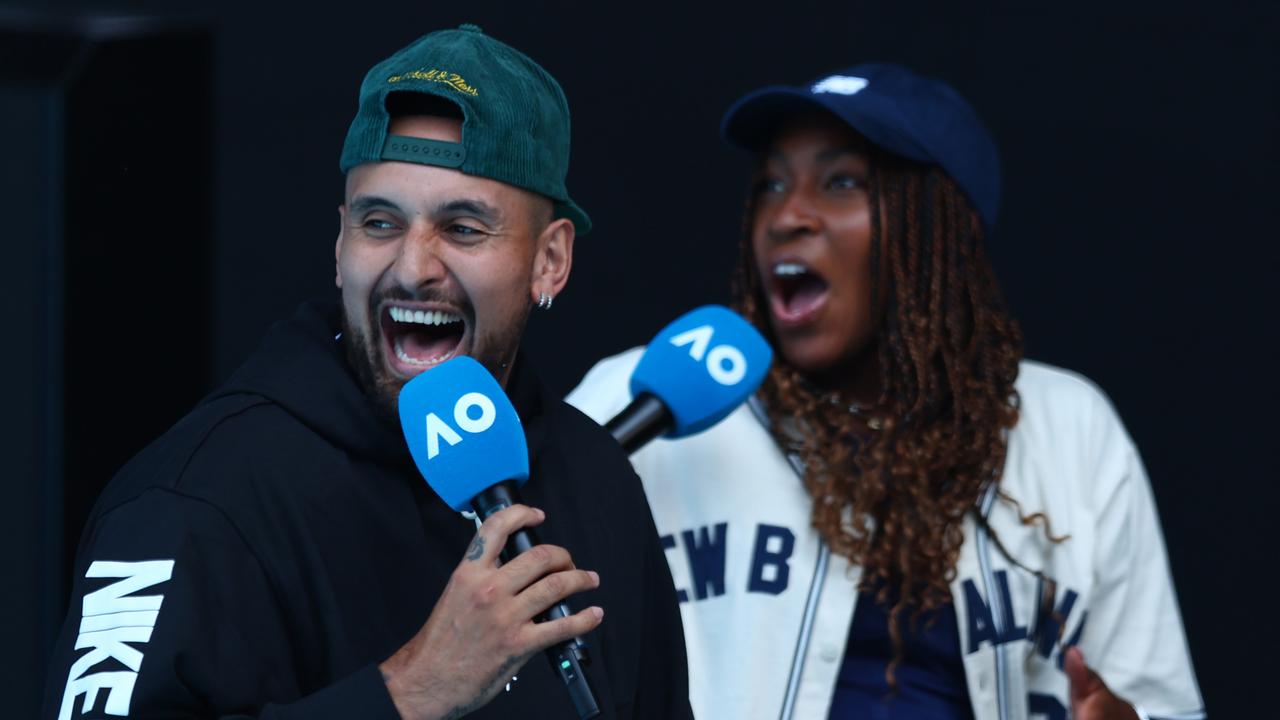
(476, 549)
(498, 680)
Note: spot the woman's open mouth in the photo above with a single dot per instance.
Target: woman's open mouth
(420, 337)
(796, 293)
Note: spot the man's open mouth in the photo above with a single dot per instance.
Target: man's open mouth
(420, 337)
(796, 292)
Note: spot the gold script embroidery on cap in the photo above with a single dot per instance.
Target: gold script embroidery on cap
(453, 80)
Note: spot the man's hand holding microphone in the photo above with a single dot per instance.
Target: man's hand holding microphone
(505, 600)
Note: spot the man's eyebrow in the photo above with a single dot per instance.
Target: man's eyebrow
(365, 203)
(479, 209)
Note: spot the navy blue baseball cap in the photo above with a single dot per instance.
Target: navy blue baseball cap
(917, 117)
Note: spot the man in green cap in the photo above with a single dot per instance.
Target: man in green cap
(277, 555)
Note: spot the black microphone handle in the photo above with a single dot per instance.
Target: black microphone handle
(643, 420)
(568, 658)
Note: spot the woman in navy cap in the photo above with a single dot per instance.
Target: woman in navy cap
(910, 520)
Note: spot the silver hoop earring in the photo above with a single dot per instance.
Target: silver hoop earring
(544, 301)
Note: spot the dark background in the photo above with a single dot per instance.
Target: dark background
(1137, 244)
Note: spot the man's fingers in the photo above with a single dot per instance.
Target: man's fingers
(536, 562)
(1084, 681)
(545, 634)
(556, 587)
(493, 533)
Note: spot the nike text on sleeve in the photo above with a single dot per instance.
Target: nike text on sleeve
(112, 617)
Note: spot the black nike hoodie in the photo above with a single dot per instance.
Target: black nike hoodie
(260, 558)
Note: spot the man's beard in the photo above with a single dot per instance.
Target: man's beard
(495, 351)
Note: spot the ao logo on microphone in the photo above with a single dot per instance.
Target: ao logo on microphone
(464, 412)
(733, 354)
(725, 363)
(460, 400)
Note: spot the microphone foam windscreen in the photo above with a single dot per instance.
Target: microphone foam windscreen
(702, 366)
(462, 431)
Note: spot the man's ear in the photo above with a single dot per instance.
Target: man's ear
(553, 260)
(337, 248)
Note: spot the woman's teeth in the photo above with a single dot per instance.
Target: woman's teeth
(789, 268)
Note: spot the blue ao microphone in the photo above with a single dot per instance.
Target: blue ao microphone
(467, 441)
(694, 373)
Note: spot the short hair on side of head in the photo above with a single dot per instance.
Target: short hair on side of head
(406, 104)
(543, 210)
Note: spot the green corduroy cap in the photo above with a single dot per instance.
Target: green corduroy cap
(515, 126)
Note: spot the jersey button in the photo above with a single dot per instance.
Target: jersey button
(829, 653)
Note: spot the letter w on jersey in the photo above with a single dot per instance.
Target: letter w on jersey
(112, 617)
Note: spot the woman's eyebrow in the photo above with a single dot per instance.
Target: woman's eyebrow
(832, 154)
(824, 156)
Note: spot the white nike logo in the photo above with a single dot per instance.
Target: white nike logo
(112, 617)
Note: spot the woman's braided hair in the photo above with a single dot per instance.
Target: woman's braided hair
(893, 500)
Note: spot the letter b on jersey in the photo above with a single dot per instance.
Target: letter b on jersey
(770, 570)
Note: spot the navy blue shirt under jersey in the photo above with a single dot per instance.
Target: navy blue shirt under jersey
(930, 677)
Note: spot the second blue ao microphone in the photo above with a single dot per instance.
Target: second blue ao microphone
(694, 373)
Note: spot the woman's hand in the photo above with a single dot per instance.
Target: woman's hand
(1090, 697)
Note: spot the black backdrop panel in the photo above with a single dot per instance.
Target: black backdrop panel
(138, 226)
(105, 190)
(30, 523)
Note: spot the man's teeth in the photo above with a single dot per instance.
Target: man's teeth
(787, 268)
(423, 317)
(406, 358)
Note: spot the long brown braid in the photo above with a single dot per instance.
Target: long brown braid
(893, 500)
